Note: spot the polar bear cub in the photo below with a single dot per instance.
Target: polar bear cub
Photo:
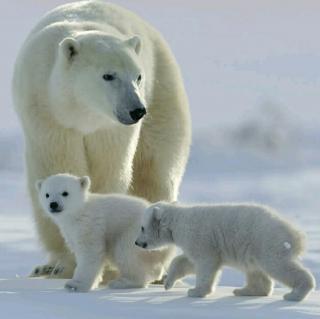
(100, 229)
(250, 237)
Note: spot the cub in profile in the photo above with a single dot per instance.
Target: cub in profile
(250, 237)
(100, 229)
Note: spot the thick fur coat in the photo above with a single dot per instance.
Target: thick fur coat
(99, 230)
(83, 80)
(250, 237)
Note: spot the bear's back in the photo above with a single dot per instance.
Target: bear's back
(94, 15)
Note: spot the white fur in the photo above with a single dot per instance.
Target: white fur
(250, 237)
(100, 230)
(71, 116)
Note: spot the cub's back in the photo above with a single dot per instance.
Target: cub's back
(119, 211)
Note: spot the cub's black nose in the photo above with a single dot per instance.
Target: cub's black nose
(54, 205)
(137, 114)
(144, 245)
(136, 243)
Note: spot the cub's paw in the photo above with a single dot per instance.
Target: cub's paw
(77, 286)
(43, 270)
(124, 283)
(197, 293)
(295, 295)
(247, 291)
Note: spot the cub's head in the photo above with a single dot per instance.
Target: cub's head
(62, 193)
(155, 231)
(98, 79)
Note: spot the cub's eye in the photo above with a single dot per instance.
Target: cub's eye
(65, 194)
(109, 77)
(47, 195)
(139, 79)
(142, 229)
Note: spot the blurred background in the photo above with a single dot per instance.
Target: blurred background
(251, 70)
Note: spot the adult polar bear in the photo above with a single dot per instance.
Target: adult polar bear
(86, 72)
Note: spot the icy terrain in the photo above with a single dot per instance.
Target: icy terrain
(252, 74)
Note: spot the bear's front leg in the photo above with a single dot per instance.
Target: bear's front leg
(207, 270)
(52, 150)
(90, 264)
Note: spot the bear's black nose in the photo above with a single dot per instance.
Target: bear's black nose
(54, 205)
(136, 243)
(138, 113)
(144, 245)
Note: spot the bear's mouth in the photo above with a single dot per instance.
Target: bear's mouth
(55, 210)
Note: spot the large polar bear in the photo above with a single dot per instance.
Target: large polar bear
(85, 76)
(100, 229)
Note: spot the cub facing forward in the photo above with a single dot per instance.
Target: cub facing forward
(100, 229)
(249, 237)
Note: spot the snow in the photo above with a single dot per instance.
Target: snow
(46, 299)
(254, 92)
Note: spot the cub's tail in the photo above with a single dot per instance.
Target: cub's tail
(295, 243)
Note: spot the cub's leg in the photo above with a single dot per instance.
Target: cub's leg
(207, 271)
(180, 267)
(258, 284)
(137, 268)
(90, 264)
(294, 275)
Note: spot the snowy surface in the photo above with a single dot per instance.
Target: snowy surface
(252, 75)
(40, 299)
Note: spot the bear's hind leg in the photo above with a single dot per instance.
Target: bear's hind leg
(258, 284)
(294, 275)
(126, 283)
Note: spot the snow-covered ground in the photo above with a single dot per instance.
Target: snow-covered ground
(252, 74)
(39, 299)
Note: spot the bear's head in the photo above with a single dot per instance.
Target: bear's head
(62, 193)
(97, 79)
(155, 231)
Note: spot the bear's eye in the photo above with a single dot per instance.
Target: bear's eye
(142, 229)
(47, 195)
(109, 77)
(65, 194)
(139, 79)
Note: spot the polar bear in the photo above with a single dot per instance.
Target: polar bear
(100, 229)
(99, 93)
(250, 237)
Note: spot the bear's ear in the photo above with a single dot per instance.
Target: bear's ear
(135, 43)
(69, 48)
(85, 182)
(38, 184)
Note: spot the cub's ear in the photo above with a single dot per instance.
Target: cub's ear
(69, 48)
(157, 213)
(135, 43)
(85, 182)
(38, 184)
